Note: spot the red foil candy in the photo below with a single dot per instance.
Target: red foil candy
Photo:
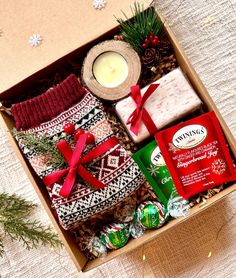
(196, 155)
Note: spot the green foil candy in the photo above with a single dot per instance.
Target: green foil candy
(150, 214)
(115, 236)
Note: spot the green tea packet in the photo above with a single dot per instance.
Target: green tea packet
(152, 164)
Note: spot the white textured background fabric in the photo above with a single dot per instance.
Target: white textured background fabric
(206, 30)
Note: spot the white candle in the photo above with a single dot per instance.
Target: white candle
(110, 69)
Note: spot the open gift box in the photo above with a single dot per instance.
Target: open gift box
(29, 65)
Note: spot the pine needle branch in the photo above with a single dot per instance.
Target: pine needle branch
(13, 213)
(136, 30)
(42, 146)
(14, 206)
(31, 233)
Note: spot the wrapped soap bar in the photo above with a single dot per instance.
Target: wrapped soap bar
(153, 166)
(196, 155)
(173, 99)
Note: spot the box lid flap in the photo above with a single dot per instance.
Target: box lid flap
(64, 26)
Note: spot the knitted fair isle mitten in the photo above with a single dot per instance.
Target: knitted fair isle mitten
(46, 115)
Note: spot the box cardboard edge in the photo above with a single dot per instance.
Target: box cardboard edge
(77, 256)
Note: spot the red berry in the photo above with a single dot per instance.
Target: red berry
(90, 139)
(144, 45)
(150, 34)
(154, 42)
(146, 41)
(77, 134)
(156, 38)
(69, 128)
(151, 38)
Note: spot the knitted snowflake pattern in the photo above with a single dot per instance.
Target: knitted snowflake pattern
(99, 4)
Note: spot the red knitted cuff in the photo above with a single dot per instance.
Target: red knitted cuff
(43, 108)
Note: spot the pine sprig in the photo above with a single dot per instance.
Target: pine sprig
(136, 30)
(31, 233)
(14, 206)
(42, 146)
(13, 213)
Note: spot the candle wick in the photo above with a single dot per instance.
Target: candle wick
(112, 69)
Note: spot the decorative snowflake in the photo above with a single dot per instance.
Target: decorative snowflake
(35, 40)
(153, 170)
(99, 4)
(218, 166)
(172, 148)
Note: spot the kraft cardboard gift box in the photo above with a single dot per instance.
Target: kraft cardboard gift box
(23, 66)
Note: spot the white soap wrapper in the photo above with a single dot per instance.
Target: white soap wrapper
(172, 100)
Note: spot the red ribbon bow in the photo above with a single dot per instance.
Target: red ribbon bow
(140, 113)
(76, 162)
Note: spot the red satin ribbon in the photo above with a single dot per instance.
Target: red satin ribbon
(140, 113)
(76, 162)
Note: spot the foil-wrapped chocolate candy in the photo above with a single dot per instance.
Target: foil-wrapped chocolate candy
(96, 247)
(136, 229)
(115, 236)
(150, 214)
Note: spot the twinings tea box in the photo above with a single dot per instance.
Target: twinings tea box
(152, 164)
(196, 155)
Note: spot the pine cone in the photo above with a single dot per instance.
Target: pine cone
(165, 48)
(150, 57)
